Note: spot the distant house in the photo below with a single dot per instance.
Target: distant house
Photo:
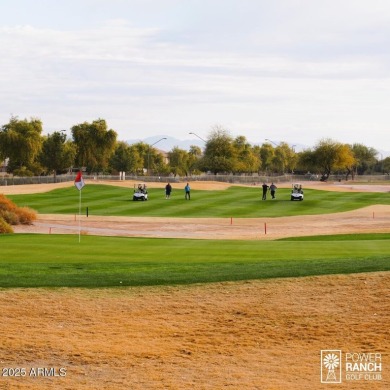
(164, 155)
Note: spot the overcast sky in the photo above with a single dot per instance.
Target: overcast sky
(287, 70)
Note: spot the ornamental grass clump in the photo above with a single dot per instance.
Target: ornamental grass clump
(5, 227)
(11, 214)
(26, 215)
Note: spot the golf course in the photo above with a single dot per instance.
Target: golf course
(208, 293)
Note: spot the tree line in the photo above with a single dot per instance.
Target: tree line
(95, 148)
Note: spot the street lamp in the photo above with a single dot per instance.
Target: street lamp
(149, 151)
(272, 142)
(198, 137)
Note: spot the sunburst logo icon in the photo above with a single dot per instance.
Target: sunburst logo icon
(331, 362)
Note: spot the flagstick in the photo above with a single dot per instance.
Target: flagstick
(79, 183)
(80, 216)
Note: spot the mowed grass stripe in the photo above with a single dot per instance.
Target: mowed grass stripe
(341, 237)
(60, 261)
(239, 202)
(66, 248)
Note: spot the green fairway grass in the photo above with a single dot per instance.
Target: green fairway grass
(341, 237)
(61, 261)
(239, 202)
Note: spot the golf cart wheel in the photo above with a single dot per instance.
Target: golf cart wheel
(292, 198)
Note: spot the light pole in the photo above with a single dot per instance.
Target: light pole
(272, 142)
(149, 151)
(198, 137)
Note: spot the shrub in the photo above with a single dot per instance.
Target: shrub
(10, 217)
(5, 227)
(23, 172)
(10, 214)
(25, 215)
(6, 204)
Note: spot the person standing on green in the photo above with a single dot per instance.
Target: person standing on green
(272, 190)
(168, 190)
(187, 190)
(265, 189)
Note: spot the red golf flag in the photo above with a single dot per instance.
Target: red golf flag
(79, 181)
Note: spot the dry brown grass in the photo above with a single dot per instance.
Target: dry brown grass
(5, 228)
(246, 335)
(6, 204)
(26, 215)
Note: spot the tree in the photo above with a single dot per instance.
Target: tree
(159, 166)
(126, 158)
(365, 159)
(194, 155)
(95, 145)
(152, 158)
(346, 160)
(219, 155)
(284, 159)
(57, 154)
(143, 150)
(246, 158)
(386, 165)
(179, 161)
(266, 155)
(330, 156)
(307, 161)
(21, 142)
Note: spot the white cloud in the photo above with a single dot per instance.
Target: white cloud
(304, 69)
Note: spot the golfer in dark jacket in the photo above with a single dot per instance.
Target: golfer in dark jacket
(168, 190)
(265, 189)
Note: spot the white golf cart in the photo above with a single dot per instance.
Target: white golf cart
(140, 192)
(297, 192)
